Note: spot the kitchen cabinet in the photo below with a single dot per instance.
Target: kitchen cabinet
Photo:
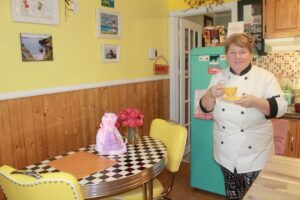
(293, 142)
(281, 18)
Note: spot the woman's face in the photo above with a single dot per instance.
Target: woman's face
(238, 58)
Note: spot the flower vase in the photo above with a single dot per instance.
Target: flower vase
(132, 135)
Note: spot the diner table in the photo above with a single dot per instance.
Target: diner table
(137, 167)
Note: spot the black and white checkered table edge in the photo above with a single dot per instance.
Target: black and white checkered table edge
(146, 153)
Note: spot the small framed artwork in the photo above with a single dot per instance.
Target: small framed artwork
(36, 47)
(108, 3)
(36, 11)
(110, 53)
(208, 21)
(108, 24)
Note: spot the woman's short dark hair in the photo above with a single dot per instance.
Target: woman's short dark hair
(241, 40)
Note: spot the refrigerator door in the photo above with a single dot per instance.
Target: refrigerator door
(205, 172)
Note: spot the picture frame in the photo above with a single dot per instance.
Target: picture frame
(251, 12)
(36, 47)
(208, 21)
(108, 24)
(110, 53)
(36, 11)
(108, 3)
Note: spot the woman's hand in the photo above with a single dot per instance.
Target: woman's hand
(217, 91)
(250, 101)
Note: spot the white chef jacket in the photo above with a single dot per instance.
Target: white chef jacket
(243, 137)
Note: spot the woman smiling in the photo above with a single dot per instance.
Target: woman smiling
(243, 134)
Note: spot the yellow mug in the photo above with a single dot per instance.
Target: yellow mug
(230, 91)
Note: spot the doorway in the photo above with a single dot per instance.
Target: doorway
(190, 36)
(182, 40)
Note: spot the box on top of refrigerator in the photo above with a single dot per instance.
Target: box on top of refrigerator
(214, 36)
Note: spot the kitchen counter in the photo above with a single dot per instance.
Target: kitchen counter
(279, 180)
(291, 114)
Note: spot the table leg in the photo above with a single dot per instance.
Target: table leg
(148, 190)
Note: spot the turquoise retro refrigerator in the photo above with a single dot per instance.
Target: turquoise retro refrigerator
(205, 172)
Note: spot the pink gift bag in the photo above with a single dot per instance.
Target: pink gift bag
(109, 140)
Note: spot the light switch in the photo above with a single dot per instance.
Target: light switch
(152, 54)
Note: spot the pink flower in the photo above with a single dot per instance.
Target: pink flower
(130, 117)
(122, 116)
(117, 124)
(124, 123)
(133, 114)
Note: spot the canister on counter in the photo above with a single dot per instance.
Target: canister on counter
(297, 96)
(288, 95)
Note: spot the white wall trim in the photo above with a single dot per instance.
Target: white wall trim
(174, 53)
(29, 93)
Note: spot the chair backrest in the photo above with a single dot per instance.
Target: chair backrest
(174, 137)
(56, 185)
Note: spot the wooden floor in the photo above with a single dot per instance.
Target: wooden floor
(183, 190)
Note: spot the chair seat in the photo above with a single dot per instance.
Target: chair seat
(137, 194)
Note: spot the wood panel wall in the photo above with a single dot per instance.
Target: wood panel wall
(36, 128)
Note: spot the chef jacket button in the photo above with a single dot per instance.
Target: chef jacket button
(250, 147)
(228, 77)
(242, 130)
(223, 127)
(223, 109)
(246, 78)
(222, 142)
(242, 112)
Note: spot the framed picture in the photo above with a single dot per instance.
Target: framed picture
(208, 21)
(36, 47)
(36, 11)
(108, 24)
(251, 12)
(108, 3)
(110, 53)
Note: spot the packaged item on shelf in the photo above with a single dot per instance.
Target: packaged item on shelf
(214, 36)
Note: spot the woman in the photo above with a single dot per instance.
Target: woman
(243, 134)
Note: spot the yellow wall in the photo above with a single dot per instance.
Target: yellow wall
(180, 5)
(77, 50)
(176, 5)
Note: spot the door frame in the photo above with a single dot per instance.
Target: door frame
(174, 47)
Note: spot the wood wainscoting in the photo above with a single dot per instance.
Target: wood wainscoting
(36, 128)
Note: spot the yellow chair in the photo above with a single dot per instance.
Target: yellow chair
(49, 186)
(174, 137)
